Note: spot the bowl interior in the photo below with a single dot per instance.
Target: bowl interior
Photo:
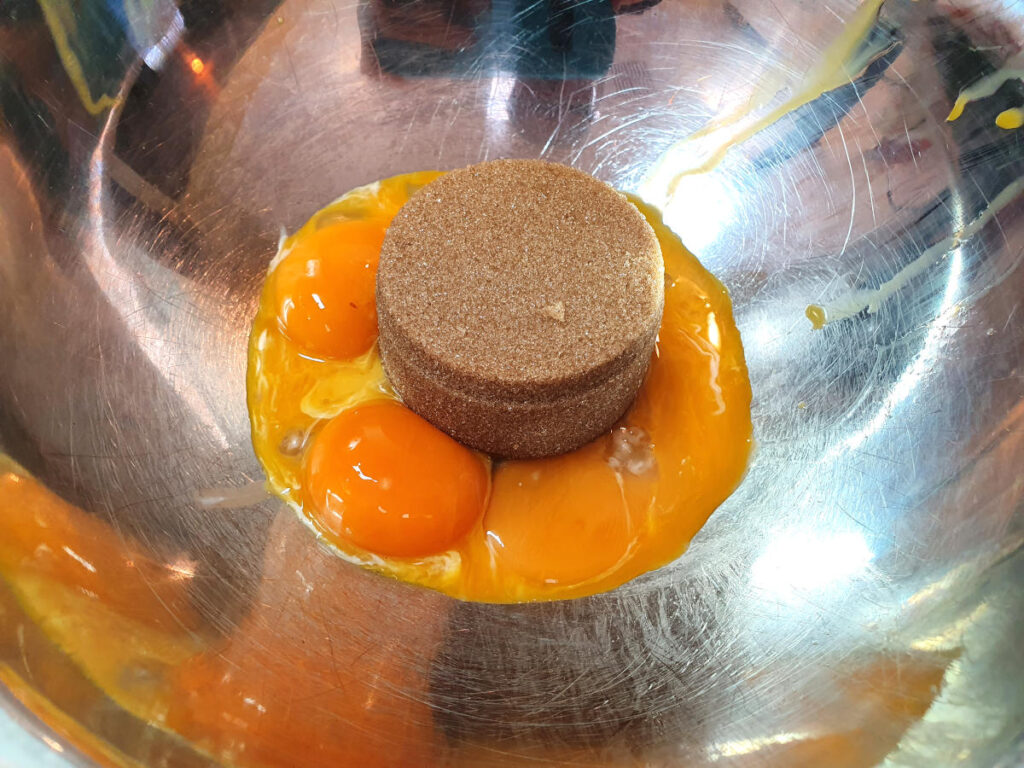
(856, 600)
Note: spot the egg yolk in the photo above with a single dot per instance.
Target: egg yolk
(324, 289)
(565, 520)
(388, 481)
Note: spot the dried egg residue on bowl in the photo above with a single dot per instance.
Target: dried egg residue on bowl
(391, 492)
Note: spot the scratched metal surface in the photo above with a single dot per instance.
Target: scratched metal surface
(856, 602)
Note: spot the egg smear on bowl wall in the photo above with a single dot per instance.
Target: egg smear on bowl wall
(438, 501)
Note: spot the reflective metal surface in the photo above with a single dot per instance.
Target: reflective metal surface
(856, 602)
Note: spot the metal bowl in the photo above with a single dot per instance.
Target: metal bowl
(857, 601)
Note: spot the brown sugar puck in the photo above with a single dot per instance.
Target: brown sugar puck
(518, 303)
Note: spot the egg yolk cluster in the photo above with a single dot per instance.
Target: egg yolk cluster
(390, 491)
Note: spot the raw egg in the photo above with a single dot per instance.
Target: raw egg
(585, 516)
(324, 289)
(385, 479)
(389, 491)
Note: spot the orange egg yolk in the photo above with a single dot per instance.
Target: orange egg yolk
(324, 289)
(388, 481)
(567, 519)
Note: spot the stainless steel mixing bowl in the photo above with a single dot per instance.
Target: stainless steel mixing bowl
(856, 602)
